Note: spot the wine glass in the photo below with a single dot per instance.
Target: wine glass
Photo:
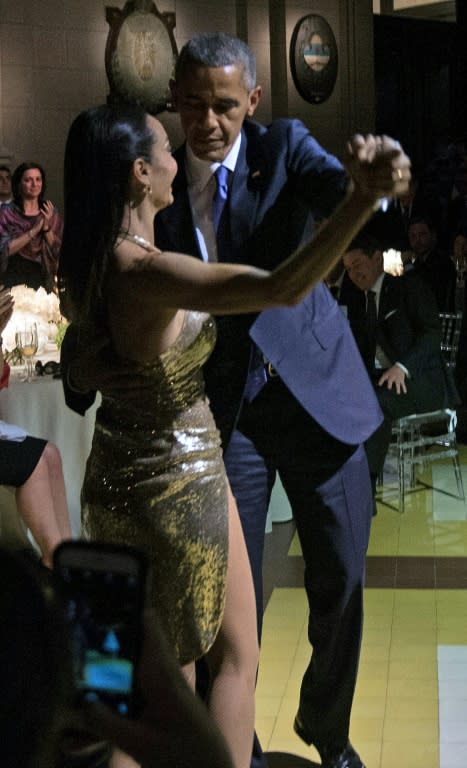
(26, 342)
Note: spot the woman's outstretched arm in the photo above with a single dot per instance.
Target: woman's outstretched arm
(377, 166)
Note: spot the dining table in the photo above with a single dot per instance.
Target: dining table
(39, 408)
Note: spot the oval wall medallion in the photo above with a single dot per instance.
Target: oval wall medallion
(313, 58)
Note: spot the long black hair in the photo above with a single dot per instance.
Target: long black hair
(103, 142)
(16, 182)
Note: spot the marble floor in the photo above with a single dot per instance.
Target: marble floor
(410, 708)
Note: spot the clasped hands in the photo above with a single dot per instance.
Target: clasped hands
(47, 209)
(378, 166)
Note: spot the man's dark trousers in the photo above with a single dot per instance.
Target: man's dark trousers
(276, 434)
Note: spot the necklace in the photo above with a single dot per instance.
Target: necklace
(137, 239)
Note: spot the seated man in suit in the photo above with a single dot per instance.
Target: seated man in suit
(396, 326)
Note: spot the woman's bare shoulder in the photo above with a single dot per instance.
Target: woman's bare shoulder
(131, 256)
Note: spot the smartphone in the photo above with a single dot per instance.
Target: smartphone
(103, 588)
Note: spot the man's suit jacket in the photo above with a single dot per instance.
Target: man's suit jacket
(283, 179)
(408, 332)
(390, 226)
(439, 273)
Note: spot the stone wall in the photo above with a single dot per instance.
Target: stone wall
(52, 66)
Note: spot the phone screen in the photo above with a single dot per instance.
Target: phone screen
(103, 593)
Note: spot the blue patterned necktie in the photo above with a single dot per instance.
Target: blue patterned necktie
(221, 194)
(256, 373)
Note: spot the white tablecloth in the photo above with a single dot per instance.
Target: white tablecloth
(39, 407)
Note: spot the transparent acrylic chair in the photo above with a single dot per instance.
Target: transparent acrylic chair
(423, 438)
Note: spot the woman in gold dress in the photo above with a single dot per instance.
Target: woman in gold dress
(155, 475)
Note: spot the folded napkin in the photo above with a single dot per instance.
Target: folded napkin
(11, 432)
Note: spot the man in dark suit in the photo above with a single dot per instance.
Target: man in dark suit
(432, 263)
(400, 346)
(278, 382)
(307, 418)
(390, 224)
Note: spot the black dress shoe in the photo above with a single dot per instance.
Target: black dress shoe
(299, 729)
(346, 758)
(330, 757)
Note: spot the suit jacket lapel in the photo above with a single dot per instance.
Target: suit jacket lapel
(384, 299)
(250, 183)
(250, 176)
(179, 223)
(385, 306)
(243, 198)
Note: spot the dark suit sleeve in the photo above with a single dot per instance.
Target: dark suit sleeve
(320, 178)
(77, 401)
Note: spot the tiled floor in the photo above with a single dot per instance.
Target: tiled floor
(410, 708)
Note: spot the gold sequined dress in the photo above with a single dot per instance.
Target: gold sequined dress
(155, 479)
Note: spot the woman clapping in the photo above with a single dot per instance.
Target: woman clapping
(30, 232)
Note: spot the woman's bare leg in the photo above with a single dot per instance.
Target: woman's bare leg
(189, 673)
(41, 503)
(233, 659)
(57, 485)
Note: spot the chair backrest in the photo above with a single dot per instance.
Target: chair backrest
(450, 330)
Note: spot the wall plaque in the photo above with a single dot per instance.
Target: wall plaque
(140, 54)
(313, 58)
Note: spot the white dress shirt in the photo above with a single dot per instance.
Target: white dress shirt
(201, 190)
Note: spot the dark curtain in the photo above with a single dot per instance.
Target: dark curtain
(416, 76)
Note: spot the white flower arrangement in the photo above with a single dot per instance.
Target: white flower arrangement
(30, 307)
(39, 302)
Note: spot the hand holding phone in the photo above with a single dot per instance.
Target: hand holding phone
(103, 591)
(174, 727)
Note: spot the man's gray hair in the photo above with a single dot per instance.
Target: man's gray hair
(215, 49)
